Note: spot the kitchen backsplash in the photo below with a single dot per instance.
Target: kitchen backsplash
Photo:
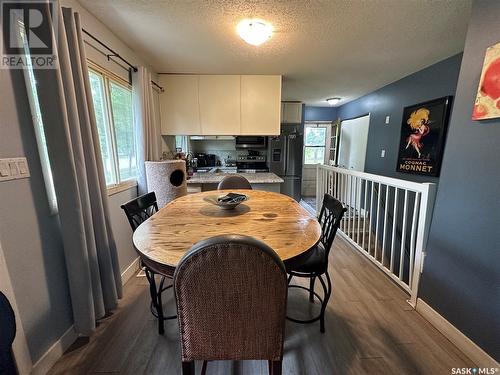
(224, 149)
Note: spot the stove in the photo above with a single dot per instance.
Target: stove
(251, 163)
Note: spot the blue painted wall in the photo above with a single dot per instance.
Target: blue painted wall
(320, 113)
(435, 81)
(461, 278)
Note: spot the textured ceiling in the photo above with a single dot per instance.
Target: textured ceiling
(322, 48)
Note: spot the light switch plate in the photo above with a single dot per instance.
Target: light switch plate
(13, 169)
(382, 154)
(387, 119)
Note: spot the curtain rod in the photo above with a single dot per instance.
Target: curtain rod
(117, 55)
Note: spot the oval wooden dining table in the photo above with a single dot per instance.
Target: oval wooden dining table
(273, 218)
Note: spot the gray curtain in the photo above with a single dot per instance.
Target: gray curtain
(75, 158)
(146, 129)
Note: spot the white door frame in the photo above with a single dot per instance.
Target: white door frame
(20, 345)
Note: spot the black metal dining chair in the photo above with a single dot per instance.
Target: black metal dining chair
(7, 335)
(138, 210)
(234, 181)
(231, 296)
(315, 266)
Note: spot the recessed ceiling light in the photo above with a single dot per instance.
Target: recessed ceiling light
(333, 101)
(254, 31)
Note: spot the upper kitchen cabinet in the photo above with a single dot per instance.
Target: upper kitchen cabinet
(291, 112)
(179, 105)
(260, 104)
(220, 104)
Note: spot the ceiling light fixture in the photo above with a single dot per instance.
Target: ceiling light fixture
(254, 31)
(333, 101)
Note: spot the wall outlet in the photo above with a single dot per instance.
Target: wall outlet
(13, 169)
(382, 154)
(387, 119)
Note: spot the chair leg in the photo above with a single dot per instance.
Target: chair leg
(327, 290)
(159, 308)
(204, 368)
(275, 367)
(311, 288)
(156, 298)
(188, 368)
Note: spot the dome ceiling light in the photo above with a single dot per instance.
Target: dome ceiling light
(254, 31)
(333, 101)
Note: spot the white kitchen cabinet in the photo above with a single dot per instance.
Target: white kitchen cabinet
(291, 112)
(260, 104)
(220, 104)
(179, 107)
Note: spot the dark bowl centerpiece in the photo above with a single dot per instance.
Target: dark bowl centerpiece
(227, 201)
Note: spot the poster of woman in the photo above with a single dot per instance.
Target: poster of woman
(423, 132)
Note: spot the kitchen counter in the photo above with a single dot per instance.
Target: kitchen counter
(253, 178)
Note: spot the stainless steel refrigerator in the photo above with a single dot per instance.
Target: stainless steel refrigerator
(285, 158)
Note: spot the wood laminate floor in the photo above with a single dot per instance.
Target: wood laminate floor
(370, 329)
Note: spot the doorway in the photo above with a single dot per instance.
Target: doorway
(353, 142)
(316, 150)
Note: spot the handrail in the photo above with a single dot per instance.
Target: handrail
(387, 219)
(405, 184)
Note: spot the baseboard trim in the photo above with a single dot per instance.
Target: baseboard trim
(44, 364)
(462, 342)
(131, 270)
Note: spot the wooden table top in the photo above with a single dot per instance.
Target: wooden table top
(275, 219)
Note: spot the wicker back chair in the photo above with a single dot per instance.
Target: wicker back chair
(231, 302)
(234, 181)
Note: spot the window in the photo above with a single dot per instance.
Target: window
(36, 115)
(112, 100)
(315, 143)
(182, 143)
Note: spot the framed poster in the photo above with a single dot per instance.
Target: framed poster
(487, 105)
(423, 133)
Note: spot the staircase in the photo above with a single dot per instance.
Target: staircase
(387, 219)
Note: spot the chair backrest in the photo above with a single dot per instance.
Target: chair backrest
(234, 181)
(330, 216)
(140, 209)
(7, 335)
(231, 300)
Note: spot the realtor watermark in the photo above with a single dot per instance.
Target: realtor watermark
(29, 34)
(474, 370)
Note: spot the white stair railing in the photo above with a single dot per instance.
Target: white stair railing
(387, 219)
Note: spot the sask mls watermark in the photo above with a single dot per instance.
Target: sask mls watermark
(474, 370)
(29, 34)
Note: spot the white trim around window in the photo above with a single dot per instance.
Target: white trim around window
(327, 125)
(102, 83)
